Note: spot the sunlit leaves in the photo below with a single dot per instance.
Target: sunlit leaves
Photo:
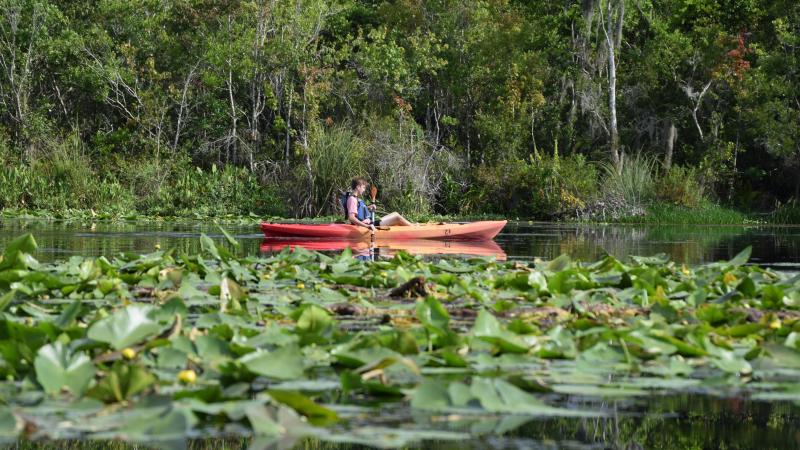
(59, 368)
(202, 332)
(125, 327)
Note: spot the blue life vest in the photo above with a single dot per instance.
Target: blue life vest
(362, 211)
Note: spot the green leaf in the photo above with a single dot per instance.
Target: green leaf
(10, 425)
(122, 382)
(228, 237)
(6, 299)
(68, 315)
(127, 326)
(261, 422)
(282, 364)
(313, 319)
(207, 245)
(432, 315)
(317, 415)
(11, 255)
(57, 368)
(168, 427)
(431, 395)
(230, 295)
(488, 329)
(742, 257)
(559, 264)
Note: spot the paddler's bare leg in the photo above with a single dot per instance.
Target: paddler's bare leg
(393, 219)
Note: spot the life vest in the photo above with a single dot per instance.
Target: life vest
(362, 212)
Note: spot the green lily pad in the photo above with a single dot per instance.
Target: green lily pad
(128, 326)
(58, 368)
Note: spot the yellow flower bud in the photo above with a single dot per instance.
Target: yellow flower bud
(128, 353)
(729, 278)
(187, 376)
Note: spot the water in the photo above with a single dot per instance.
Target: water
(690, 420)
(778, 247)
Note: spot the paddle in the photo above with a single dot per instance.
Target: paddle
(373, 192)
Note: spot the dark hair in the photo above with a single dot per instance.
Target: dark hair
(358, 181)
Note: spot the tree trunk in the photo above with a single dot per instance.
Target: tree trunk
(612, 84)
(671, 135)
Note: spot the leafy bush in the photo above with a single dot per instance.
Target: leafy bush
(408, 170)
(190, 190)
(541, 187)
(60, 177)
(786, 214)
(679, 186)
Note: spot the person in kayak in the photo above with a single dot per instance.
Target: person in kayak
(358, 213)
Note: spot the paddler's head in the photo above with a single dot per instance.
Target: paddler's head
(359, 185)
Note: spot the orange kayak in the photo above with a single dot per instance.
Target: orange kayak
(387, 247)
(472, 231)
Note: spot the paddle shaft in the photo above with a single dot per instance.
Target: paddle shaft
(373, 192)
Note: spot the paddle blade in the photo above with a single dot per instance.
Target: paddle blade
(373, 192)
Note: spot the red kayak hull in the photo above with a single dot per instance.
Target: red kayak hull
(387, 247)
(473, 231)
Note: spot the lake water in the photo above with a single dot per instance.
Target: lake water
(778, 247)
(707, 419)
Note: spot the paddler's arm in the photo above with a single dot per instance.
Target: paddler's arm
(354, 221)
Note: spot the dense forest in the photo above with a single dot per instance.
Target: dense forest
(544, 109)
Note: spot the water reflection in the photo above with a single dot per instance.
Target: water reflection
(775, 246)
(691, 244)
(387, 248)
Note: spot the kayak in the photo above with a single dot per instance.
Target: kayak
(472, 231)
(387, 247)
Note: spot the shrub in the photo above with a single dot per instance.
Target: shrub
(786, 214)
(679, 186)
(60, 177)
(232, 190)
(541, 187)
(408, 170)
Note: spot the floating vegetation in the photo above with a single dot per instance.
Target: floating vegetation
(165, 347)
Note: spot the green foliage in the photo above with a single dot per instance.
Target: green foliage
(101, 113)
(704, 213)
(300, 358)
(788, 214)
(406, 170)
(544, 186)
(336, 156)
(679, 186)
(634, 185)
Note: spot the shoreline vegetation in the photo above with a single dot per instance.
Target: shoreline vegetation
(663, 214)
(673, 112)
(301, 344)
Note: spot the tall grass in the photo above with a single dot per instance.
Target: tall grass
(63, 179)
(705, 213)
(336, 156)
(59, 177)
(788, 214)
(634, 184)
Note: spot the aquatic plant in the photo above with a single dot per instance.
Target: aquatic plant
(166, 346)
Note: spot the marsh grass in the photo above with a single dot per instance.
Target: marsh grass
(336, 156)
(634, 185)
(788, 214)
(705, 214)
